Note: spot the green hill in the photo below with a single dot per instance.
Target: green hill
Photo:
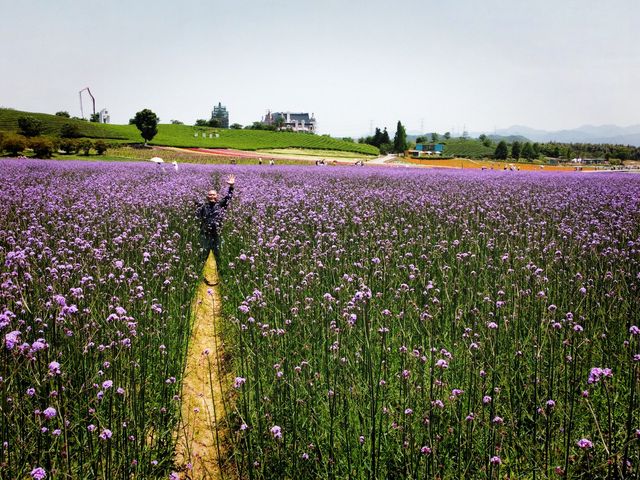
(186, 135)
(470, 148)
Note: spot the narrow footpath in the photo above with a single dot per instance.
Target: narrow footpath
(200, 436)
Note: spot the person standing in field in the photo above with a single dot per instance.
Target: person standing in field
(211, 214)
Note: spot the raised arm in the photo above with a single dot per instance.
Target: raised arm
(231, 181)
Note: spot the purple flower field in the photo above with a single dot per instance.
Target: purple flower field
(379, 323)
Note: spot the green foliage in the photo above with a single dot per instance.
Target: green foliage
(486, 141)
(85, 145)
(176, 122)
(183, 135)
(69, 145)
(147, 122)
(527, 151)
(95, 117)
(30, 126)
(260, 126)
(70, 130)
(536, 150)
(386, 148)
(502, 151)
(201, 122)
(447, 135)
(14, 144)
(421, 139)
(63, 113)
(435, 138)
(400, 139)
(101, 147)
(516, 149)
(470, 148)
(378, 139)
(236, 126)
(42, 147)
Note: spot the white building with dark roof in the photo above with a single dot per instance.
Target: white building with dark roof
(298, 122)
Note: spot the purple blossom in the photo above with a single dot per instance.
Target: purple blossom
(54, 368)
(38, 473)
(276, 431)
(49, 413)
(597, 373)
(443, 364)
(585, 443)
(11, 339)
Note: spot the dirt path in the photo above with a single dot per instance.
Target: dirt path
(200, 437)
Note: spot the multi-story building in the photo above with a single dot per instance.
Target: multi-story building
(220, 114)
(298, 122)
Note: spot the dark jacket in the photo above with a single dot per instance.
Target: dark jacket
(211, 214)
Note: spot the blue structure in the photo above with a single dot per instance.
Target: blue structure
(426, 149)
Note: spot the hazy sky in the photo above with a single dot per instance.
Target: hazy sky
(441, 64)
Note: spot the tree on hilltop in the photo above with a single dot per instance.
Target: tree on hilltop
(400, 139)
(147, 123)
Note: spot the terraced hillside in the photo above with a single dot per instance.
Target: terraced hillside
(469, 148)
(187, 136)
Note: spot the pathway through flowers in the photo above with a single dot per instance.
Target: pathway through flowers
(201, 432)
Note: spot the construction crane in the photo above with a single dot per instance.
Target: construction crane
(92, 99)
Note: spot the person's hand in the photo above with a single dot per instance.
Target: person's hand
(231, 180)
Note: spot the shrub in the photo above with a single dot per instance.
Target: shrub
(14, 144)
(85, 145)
(100, 147)
(42, 147)
(30, 127)
(69, 130)
(68, 145)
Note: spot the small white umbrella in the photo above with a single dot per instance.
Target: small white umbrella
(156, 160)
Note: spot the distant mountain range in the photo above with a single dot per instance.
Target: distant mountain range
(585, 134)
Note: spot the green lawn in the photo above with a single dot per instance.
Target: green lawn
(188, 136)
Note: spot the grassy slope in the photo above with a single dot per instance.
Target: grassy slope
(184, 135)
(471, 148)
